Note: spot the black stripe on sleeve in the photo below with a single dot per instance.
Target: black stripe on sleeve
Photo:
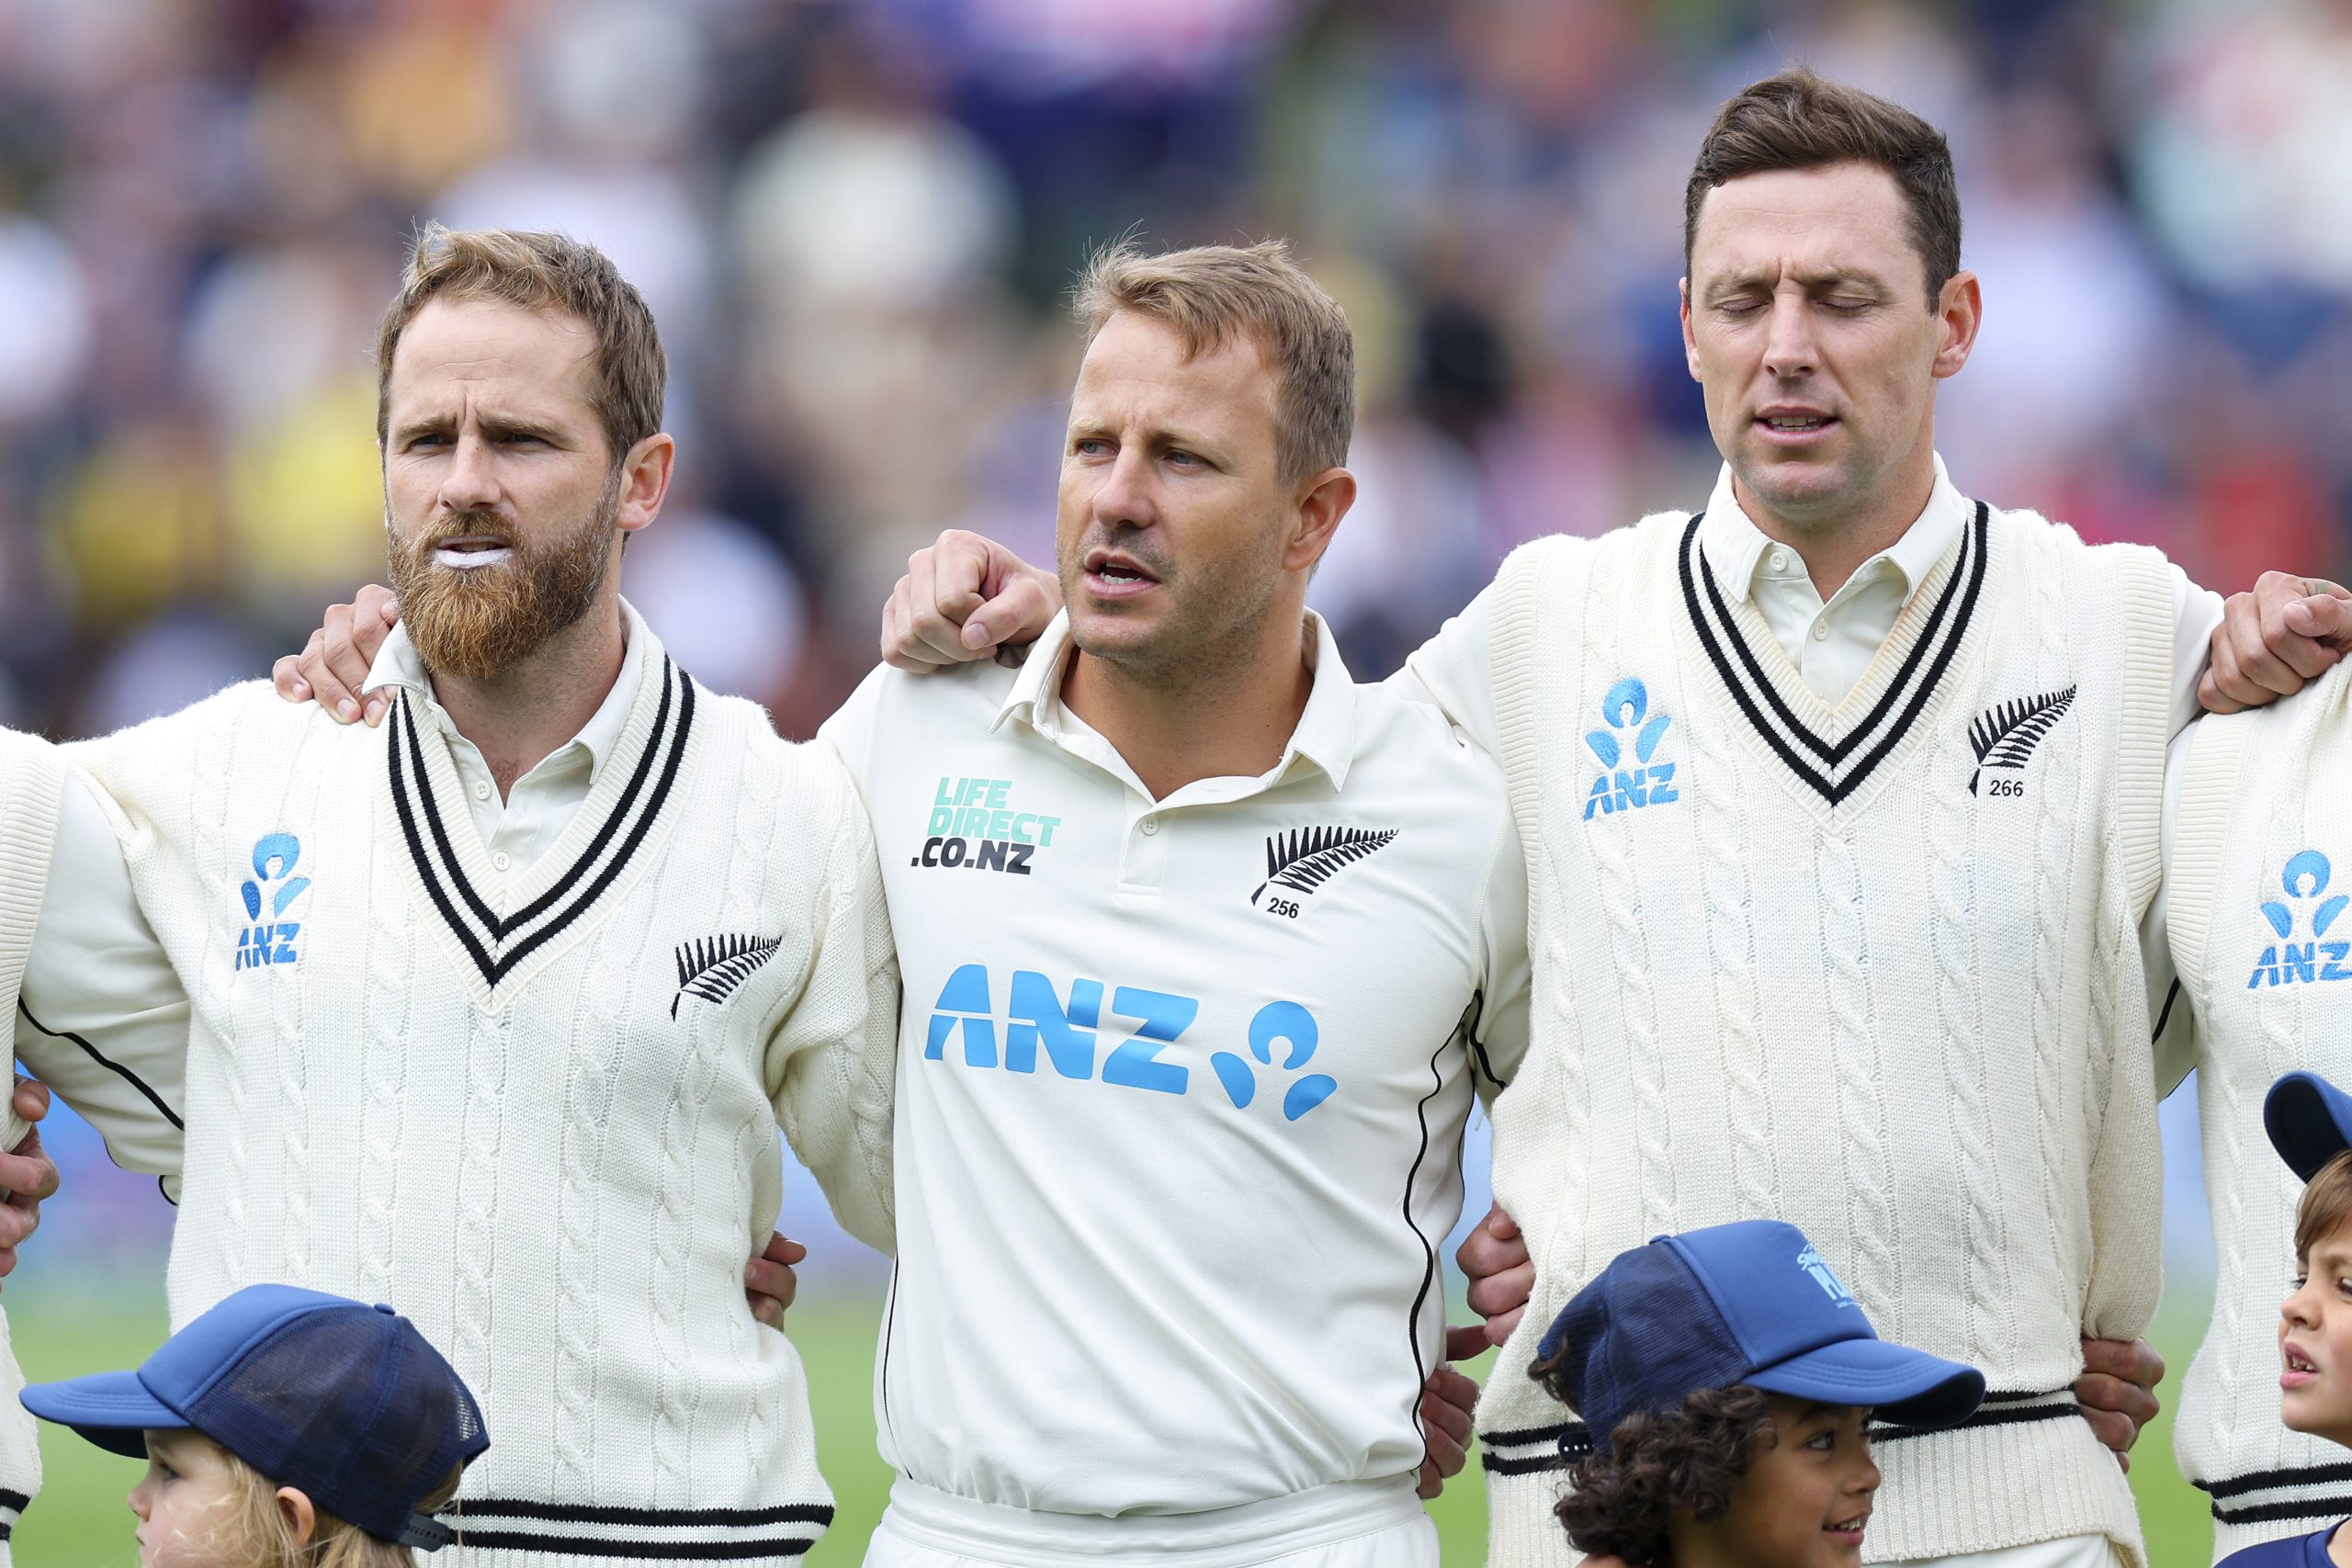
(133, 1080)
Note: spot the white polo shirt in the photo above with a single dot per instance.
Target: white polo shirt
(1181, 1090)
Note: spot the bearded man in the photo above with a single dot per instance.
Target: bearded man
(492, 1012)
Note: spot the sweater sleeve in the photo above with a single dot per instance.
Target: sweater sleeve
(832, 1060)
(102, 1019)
(1506, 990)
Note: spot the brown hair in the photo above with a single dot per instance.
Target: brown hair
(626, 375)
(1618, 1504)
(2326, 1206)
(253, 1530)
(1210, 293)
(1799, 121)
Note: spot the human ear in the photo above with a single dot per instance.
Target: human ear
(1960, 311)
(1328, 496)
(1689, 340)
(645, 479)
(294, 1507)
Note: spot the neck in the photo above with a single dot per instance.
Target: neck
(1832, 546)
(1233, 721)
(524, 713)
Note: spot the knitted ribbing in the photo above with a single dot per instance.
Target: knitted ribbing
(2055, 814)
(1723, 837)
(1959, 1014)
(32, 781)
(1870, 1207)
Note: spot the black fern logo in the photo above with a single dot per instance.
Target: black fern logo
(1304, 858)
(2004, 736)
(712, 966)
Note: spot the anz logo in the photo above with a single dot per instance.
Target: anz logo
(1037, 1019)
(2290, 962)
(1628, 783)
(270, 941)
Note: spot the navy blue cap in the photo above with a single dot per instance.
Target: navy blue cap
(1747, 1302)
(2309, 1120)
(345, 1401)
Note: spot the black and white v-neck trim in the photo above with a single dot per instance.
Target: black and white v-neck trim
(1835, 768)
(498, 944)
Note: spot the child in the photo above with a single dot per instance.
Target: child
(2310, 1123)
(282, 1429)
(1724, 1376)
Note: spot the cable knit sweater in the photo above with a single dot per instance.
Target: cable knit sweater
(2261, 859)
(1871, 969)
(539, 1121)
(32, 778)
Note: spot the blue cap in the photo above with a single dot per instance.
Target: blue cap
(345, 1401)
(1748, 1303)
(2309, 1120)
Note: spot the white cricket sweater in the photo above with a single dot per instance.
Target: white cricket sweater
(1869, 969)
(540, 1122)
(33, 782)
(2255, 896)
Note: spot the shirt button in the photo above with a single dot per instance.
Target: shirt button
(1779, 561)
(1821, 631)
(481, 789)
(1151, 824)
(499, 860)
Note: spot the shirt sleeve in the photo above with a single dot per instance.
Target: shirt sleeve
(2196, 612)
(1499, 1041)
(850, 732)
(2171, 1019)
(1452, 671)
(101, 1018)
(832, 1060)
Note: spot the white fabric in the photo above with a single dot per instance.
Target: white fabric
(1452, 668)
(1887, 990)
(2256, 802)
(554, 1149)
(1119, 1292)
(521, 827)
(2073, 1551)
(1366, 1525)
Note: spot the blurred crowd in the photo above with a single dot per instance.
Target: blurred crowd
(855, 220)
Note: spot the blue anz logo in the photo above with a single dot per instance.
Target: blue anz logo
(1037, 1019)
(271, 941)
(2306, 963)
(1831, 1286)
(1626, 711)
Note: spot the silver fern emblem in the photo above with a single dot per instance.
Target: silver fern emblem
(2004, 736)
(710, 967)
(1304, 858)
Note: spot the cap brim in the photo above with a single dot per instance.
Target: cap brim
(2309, 1120)
(1907, 1387)
(112, 1409)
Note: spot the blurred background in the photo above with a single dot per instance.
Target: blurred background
(854, 222)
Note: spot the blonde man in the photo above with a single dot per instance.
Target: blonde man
(494, 1010)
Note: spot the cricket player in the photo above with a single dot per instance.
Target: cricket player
(1206, 949)
(1840, 798)
(492, 1012)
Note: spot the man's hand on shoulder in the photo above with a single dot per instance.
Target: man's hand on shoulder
(2288, 631)
(27, 1172)
(1501, 1274)
(965, 598)
(332, 666)
(2118, 1391)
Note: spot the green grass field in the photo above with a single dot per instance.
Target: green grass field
(80, 1520)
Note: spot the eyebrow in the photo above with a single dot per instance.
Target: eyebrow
(1816, 278)
(1158, 435)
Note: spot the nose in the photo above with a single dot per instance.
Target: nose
(2299, 1310)
(1125, 498)
(470, 482)
(138, 1502)
(1791, 351)
(1865, 1479)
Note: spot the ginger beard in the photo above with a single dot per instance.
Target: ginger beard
(477, 623)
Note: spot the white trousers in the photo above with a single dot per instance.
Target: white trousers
(1373, 1525)
(2074, 1552)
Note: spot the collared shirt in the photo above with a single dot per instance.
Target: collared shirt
(515, 831)
(1171, 1065)
(1831, 644)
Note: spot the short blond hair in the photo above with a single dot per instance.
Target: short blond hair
(628, 375)
(1210, 293)
(252, 1531)
(2326, 1205)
